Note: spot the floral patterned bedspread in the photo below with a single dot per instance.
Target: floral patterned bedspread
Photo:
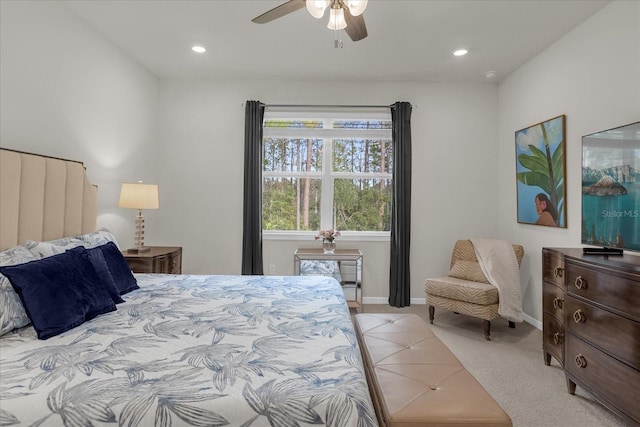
(195, 350)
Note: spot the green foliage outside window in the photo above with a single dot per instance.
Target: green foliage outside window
(363, 206)
(360, 178)
(283, 207)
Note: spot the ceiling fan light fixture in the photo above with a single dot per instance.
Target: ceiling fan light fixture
(316, 7)
(336, 19)
(356, 7)
(344, 14)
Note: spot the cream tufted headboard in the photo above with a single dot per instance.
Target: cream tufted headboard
(43, 198)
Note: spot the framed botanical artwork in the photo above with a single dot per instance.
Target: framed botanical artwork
(540, 173)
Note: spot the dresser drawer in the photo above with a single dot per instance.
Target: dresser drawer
(175, 263)
(553, 267)
(553, 336)
(608, 379)
(612, 333)
(140, 265)
(161, 264)
(553, 300)
(604, 287)
(170, 263)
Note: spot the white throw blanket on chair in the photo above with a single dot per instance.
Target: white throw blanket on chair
(500, 266)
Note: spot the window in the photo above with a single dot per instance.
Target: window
(327, 170)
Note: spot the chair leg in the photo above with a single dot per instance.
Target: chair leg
(432, 311)
(487, 329)
(512, 324)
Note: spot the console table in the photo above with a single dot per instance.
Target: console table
(591, 324)
(348, 271)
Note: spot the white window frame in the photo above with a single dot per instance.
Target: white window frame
(327, 176)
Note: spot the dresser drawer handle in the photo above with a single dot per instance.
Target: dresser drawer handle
(558, 303)
(579, 317)
(557, 338)
(580, 282)
(558, 272)
(581, 362)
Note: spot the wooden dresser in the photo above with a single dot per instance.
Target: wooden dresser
(159, 259)
(591, 325)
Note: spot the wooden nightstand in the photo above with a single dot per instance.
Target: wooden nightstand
(159, 259)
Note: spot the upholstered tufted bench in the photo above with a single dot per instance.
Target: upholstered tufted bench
(415, 380)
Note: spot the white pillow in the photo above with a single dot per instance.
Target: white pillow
(12, 313)
(54, 247)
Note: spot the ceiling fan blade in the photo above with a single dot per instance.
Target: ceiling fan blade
(356, 29)
(279, 11)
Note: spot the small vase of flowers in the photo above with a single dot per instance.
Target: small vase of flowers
(328, 240)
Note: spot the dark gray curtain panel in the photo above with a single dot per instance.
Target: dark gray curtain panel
(399, 271)
(252, 213)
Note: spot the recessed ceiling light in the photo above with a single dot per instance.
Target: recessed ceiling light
(460, 52)
(198, 49)
(491, 75)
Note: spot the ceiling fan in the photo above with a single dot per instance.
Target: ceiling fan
(343, 14)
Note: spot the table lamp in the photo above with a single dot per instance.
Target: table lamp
(139, 196)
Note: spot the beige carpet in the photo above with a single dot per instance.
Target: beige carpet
(511, 367)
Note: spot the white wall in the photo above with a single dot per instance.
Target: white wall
(455, 158)
(592, 75)
(68, 92)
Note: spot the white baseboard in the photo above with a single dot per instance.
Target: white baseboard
(375, 300)
(381, 300)
(421, 301)
(533, 322)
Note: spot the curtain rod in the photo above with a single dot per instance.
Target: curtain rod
(324, 106)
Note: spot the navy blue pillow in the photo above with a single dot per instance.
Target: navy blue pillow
(102, 269)
(59, 292)
(120, 270)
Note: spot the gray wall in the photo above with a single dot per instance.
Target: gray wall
(454, 132)
(80, 97)
(592, 75)
(66, 91)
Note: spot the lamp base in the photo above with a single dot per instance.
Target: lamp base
(138, 250)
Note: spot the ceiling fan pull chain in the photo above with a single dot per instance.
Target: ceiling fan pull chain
(337, 43)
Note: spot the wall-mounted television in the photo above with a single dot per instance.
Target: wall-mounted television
(611, 188)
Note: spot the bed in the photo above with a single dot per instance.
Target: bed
(180, 349)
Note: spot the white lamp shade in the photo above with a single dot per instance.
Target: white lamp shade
(336, 19)
(316, 7)
(356, 7)
(139, 196)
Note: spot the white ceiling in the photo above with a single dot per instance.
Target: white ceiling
(408, 39)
